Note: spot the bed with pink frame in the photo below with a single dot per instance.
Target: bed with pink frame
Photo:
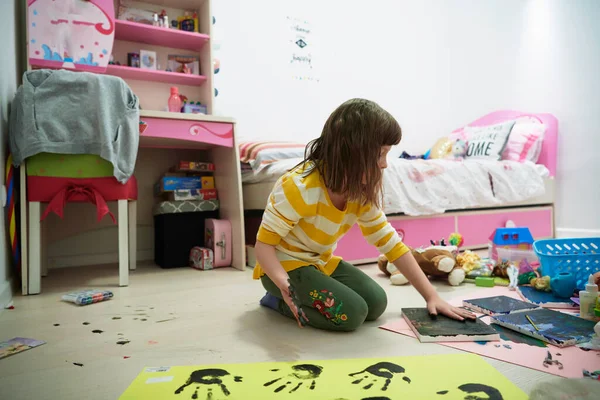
(475, 223)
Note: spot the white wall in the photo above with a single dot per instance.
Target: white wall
(558, 71)
(9, 78)
(434, 64)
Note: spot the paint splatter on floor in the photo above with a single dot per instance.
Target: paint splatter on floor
(56, 324)
(481, 342)
(496, 345)
(143, 319)
(126, 357)
(97, 331)
(78, 364)
(86, 323)
(507, 346)
(123, 342)
(442, 392)
(116, 317)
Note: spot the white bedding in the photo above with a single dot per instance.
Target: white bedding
(418, 187)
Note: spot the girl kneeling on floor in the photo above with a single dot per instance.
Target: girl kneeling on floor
(312, 206)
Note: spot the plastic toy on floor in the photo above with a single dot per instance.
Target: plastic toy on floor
(435, 261)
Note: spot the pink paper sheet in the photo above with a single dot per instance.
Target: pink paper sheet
(573, 358)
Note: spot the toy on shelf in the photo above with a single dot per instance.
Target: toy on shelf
(188, 23)
(435, 261)
(194, 108)
(185, 64)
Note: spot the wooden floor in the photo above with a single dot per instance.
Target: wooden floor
(180, 317)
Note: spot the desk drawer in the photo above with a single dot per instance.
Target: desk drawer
(217, 133)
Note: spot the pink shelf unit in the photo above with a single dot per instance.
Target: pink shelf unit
(175, 78)
(142, 33)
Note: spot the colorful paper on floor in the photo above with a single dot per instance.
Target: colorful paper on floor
(543, 299)
(452, 376)
(17, 345)
(554, 327)
(514, 347)
(497, 305)
(444, 329)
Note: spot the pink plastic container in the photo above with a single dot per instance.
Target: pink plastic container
(217, 237)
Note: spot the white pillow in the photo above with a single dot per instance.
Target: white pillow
(525, 142)
(487, 142)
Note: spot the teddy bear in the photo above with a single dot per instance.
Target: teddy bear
(435, 261)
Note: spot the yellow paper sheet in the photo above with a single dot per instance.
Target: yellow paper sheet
(444, 377)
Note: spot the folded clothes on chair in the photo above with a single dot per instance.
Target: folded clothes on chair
(60, 111)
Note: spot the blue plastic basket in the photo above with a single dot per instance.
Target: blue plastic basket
(579, 256)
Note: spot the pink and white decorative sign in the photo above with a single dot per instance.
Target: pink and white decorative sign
(73, 34)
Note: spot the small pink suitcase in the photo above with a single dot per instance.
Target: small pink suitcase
(217, 236)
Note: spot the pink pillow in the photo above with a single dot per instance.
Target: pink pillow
(525, 142)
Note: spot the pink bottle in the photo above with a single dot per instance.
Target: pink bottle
(174, 100)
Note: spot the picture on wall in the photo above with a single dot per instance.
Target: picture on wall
(302, 45)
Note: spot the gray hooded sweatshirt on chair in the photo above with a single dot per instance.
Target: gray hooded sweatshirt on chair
(59, 111)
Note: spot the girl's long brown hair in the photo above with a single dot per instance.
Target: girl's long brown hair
(348, 150)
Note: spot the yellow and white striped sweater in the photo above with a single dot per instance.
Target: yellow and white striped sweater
(304, 226)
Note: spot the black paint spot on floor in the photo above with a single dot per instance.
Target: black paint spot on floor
(116, 317)
(78, 364)
(97, 331)
(442, 392)
(143, 319)
(123, 342)
(237, 379)
(56, 324)
(152, 308)
(86, 323)
(120, 334)
(406, 379)
(274, 370)
(558, 354)
(134, 319)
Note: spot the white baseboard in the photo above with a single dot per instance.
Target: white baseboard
(576, 233)
(6, 294)
(80, 260)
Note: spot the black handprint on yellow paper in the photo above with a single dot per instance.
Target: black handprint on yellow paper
(301, 374)
(209, 377)
(477, 391)
(385, 370)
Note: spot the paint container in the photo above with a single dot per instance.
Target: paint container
(587, 300)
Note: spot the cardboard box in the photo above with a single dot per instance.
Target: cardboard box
(171, 183)
(192, 194)
(193, 166)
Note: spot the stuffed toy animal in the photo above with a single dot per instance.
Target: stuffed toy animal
(435, 261)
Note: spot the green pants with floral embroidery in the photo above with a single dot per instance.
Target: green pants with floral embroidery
(340, 302)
